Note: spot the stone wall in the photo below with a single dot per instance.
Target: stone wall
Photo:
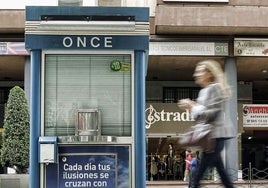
(14, 180)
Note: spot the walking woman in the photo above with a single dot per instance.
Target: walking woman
(209, 108)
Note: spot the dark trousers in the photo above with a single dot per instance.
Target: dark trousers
(193, 172)
(213, 160)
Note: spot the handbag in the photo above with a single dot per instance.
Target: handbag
(199, 135)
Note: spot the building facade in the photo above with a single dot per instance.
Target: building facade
(234, 33)
(182, 32)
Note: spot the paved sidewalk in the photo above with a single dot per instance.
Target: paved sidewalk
(206, 184)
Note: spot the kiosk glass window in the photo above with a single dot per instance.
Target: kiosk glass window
(87, 81)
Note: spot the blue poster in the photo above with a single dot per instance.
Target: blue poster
(102, 166)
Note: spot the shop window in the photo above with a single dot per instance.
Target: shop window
(173, 94)
(4, 92)
(87, 81)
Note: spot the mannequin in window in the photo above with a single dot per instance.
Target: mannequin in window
(170, 158)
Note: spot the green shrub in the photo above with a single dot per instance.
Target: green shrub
(15, 143)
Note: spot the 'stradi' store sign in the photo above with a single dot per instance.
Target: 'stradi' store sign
(166, 118)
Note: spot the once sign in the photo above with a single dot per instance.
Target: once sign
(85, 42)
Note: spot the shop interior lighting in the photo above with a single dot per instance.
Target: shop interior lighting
(264, 71)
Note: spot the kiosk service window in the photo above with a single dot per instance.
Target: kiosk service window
(87, 81)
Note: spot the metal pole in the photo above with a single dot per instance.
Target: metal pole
(250, 174)
(151, 169)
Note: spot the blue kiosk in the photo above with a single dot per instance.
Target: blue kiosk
(88, 67)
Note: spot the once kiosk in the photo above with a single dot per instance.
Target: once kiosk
(88, 67)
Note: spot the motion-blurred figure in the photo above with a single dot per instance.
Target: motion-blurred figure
(209, 108)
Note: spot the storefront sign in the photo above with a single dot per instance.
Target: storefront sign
(166, 118)
(250, 47)
(255, 115)
(12, 48)
(153, 116)
(188, 48)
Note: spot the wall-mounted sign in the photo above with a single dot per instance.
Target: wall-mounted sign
(155, 115)
(203, 1)
(13, 48)
(189, 48)
(91, 42)
(166, 118)
(251, 47)
(255, 115)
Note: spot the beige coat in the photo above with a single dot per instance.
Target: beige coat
(210, 109)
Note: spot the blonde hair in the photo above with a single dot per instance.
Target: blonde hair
(219, 76)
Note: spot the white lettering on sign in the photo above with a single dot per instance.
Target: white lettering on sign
(88, 174)
(221, 49)
(94, 42)
(82, 42)
(188, 48)
(108, 42)
(67, 42)
(153, 116)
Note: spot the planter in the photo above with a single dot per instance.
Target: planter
(14, 180)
